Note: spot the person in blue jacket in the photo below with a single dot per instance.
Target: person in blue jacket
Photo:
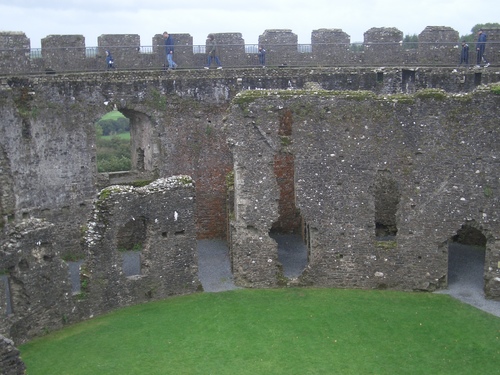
(262, 56)
(480, 46)
(109, 60)
(464, 55)
(169, 50)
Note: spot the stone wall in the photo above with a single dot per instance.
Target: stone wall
(45, 296)
(279, 130)
(10, 362)
(355, 155)
(438, 46)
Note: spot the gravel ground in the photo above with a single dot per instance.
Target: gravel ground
(465, 279)
(214, 267)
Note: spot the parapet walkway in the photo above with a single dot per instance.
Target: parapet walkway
(465, 280)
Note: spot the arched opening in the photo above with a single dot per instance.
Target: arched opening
(286, 231)
(466, 257)
(130, 242)
(142, 146)
(113, 143)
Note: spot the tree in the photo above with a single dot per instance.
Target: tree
(410, 41)
(470, 38)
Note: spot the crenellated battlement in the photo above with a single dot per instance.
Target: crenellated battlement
(436, 46)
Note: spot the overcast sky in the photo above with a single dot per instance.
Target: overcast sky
(92, 18)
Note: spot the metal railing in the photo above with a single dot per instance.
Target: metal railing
(81, 59)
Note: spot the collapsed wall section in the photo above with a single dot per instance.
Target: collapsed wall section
(138, 245)
(354, 151)
(155, 221)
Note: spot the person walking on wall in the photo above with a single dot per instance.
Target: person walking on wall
(262, 56)
(110, 63)
(169, 50)
(464, 55)
(480, 47)
(212, 52)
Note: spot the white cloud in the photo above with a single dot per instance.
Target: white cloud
(147, 18)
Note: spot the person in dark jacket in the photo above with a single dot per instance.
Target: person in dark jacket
(480, 47)
(212, 52)
(169, 50)
(262, 56)
(464, 55)
(110, 63)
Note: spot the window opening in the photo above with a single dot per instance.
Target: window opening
(477, 79)
(113, 143)
(387, 197)
(130, 243)
(408, 81)
(4, 281)
(131, 263)
(74, 276)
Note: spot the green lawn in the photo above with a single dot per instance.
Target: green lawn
(121, 136)
(283, 331)
(113, 115)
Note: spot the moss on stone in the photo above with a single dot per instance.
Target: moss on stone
(106, 193)
(185, 180)
(141, 183)
(436, 94)
(495, 89)
(156, 100)
(230, 180)
(386, 245)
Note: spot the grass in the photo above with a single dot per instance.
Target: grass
(113, 115)
(122, 136)
(283, 331)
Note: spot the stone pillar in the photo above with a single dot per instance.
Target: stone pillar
(231, 49)
(281, 46)
(14, 52)
(64, 52)
(439, 45)
(330, 46)
(183, 50)
(125, 49)
(383, 46)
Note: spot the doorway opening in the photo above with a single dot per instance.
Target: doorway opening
(466, 260)
(286, 230)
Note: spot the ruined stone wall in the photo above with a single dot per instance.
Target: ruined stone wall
(45, 294)
(439, 164)
(181, 126)
(177, 127)
(438, 46)
(10, 362)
